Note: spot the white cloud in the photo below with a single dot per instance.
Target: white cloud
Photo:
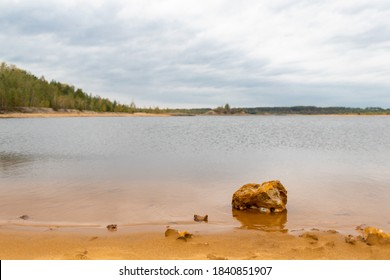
(193, 53)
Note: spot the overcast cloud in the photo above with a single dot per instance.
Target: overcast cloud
(180, 53)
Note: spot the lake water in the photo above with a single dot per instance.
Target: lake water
(163, 170)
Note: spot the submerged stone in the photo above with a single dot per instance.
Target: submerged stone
(268, 197)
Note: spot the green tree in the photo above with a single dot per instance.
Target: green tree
(19, 88)
(227, 108)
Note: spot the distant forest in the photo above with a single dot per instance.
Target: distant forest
(21, 89)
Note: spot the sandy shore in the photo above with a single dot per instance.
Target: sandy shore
(230, 244)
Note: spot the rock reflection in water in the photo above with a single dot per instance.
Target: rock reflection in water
(254, 219)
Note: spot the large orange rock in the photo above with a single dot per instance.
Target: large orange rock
(270, 197)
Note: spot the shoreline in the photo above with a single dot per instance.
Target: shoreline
(137, 243)
(78, 114)
(18, 115)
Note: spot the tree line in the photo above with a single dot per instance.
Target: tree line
(19, 89)
(313, 110)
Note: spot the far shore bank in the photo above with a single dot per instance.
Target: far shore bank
(78, 114)
(233, 244)
(8, 115)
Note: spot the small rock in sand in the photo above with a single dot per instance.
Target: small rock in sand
(350, 239)
(375, 236)
(171, 232)
(360, 228)
(179, 235)
(25, 217)
(198, 218)
(185, 234)
(310, 235)
(112, 227)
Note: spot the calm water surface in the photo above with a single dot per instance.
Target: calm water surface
(162, 170)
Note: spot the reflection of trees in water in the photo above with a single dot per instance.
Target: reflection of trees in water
(254, 219)
(13, 162)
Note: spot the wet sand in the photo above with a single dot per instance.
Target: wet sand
(133, 244)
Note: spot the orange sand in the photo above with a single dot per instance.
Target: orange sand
(61, 243)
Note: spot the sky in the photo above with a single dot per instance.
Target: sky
(191, 54)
